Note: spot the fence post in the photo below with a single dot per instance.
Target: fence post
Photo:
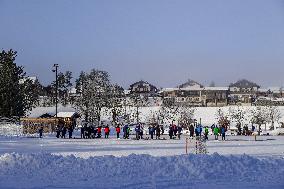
(186, 145)
(196, 145)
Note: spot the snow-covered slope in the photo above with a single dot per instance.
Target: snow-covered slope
(140, 171)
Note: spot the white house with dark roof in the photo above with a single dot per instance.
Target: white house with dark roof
(243, 91)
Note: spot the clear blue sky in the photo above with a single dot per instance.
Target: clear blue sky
(162, 41)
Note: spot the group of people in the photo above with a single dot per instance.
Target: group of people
(175, 131)
(245, 130)
(219, 131)
(91, 131)
(62, 129)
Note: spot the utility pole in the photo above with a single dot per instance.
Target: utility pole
(55, 66)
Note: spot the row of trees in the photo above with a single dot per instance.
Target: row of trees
(257, 115)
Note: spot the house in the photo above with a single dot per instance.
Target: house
(215, 96)
(188, 92)
(191, 84)
(143, 87)
(243, 91)
(270, 96)
(195, 94)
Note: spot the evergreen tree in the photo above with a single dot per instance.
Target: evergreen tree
(17, 92)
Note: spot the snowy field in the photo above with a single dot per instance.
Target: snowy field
(85, 148)
(146, 164)
(240, 162)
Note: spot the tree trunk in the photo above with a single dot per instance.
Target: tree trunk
(137, 115)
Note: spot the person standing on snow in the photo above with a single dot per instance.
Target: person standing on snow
(179, 128)
(40, 131)
(171, 132)
(64, 130)
(196, 131)
(151, 131)
(124, 131)
(117, 129)
(223, 132)
(137, 130)
(141, 131)
(206, 132)
(216, 132)
(107, 131)
(191, 131)
(175, 129)
(99, 132)
(70, 131)
(158, 131)
(127, 132)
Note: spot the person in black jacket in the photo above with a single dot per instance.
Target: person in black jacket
(158, 132)
(191, 130)
(64, 130)
(171, 132)
(179, 128)
(70, 131)
(40, 131)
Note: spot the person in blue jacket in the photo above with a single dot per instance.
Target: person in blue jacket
(152, 131)
(196, 131)
(223, 132)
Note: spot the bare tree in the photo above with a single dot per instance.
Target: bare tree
(274, 115)
(259, 116)
(238, 115)
(115, 103)
(94, 89)
(222, 118)
(172, 110)
(137, 101)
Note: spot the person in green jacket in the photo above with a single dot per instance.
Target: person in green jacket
(206, 133)
(216, 132)
(128, 132)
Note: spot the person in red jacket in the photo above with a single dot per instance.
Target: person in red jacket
(107, 131)
(99, 132)
(117, 129)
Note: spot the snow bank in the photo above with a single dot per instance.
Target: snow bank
(140, 171)
(10, 129)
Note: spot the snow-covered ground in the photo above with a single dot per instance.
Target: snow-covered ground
(85, 148)
(237, 163)
(118, 163)
(140, 171)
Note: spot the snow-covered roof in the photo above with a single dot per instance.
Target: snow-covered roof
(127, 91)
(271, 89)
(33, 79)
(262, 90)
(216, 88)
(38, 111)
(65, 114)
(169, 89)
(190, 83)
(73, 90)
(195, 89)
(275, 89)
